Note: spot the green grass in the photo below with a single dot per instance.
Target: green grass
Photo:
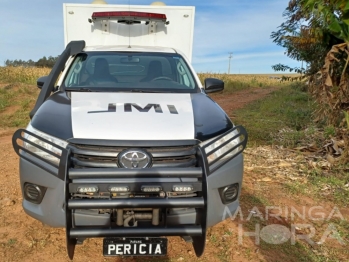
(16, 101)
(336, 181)
(12, 241)
(296, 188)
(233, 86)
(290, 108)
(237, 82)
(255, 199)
(297, 252)
(286, 108)
(5, 97)
(323, 184)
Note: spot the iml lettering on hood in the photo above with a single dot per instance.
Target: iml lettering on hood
(128, 108)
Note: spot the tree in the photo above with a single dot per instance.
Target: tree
(333, 15)
(42, 62)
(317, 32)
(333, 92)
(46, 62)
(304, 40)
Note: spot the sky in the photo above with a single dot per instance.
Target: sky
(33, 29)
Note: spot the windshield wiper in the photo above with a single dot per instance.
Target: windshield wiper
(147, 91)
(82, 89)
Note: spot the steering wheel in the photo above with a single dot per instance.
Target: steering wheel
(162, 78)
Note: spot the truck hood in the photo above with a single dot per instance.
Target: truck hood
(132, 116)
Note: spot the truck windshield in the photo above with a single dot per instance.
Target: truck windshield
(130, 71)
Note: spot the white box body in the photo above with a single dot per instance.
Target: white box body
(178, 34)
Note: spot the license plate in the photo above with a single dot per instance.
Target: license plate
(135, 246)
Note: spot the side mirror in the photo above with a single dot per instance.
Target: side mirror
(40, 82)
(213, 85)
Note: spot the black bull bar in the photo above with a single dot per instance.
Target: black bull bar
(65, 172)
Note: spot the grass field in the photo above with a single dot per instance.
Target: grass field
(22, 74)
(232, 82)
(286, 108)
(16, 98)
(240, 82)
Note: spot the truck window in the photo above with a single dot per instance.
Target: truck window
(183, 75)
(120, 71)
(75, 72)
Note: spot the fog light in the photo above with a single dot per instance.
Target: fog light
(87, 189)
(116, 189)
(151, 188)
(33, 193)
(182, 188)
(229, 193)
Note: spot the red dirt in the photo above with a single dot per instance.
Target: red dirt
(241, 98)
(24, 239)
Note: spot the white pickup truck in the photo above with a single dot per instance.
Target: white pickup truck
(124, 142)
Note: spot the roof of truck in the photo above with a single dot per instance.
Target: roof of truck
(125, 48)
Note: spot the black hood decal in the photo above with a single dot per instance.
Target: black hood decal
(54, 116)
(209, 119)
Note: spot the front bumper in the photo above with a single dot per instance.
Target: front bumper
(182, 216)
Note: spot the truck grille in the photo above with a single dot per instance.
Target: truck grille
(90, 156)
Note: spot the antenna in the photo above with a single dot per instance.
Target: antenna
(99, 2)
(230, 57)
(129, 26)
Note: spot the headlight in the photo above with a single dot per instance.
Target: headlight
(47, 146)
(229, 146)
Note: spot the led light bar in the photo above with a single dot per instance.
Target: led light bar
(87, 189)
(151, 189)
(185, 188)
(116, 189)
(130, 15)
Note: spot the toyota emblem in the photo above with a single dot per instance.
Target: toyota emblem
(134, 158)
